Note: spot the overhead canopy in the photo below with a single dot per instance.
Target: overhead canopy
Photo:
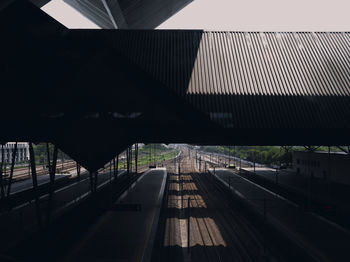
(125, 14)
(94, 92)
(251, 79)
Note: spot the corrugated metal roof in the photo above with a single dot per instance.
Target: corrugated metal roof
(243, 83)
(251, 79)
(246, 63)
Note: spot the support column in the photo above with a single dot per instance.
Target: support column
(154, 155)
(124, 162)
(234, 157)
(225, 152)
(113, 164)
(130, 158)
(286, 155)
(14, 152)
(136, 155)
(329, 175)
(52, 173)
(229, 156)
(78, 171)
(117, 166)
(2, 189)
(127, 160)
(35, 183)
(310, 149)
(62, 160)
(95, 181)
(240, 163)
(150, 155)
(91, 177)
(110, 170)
(48, 159)
(254, 160)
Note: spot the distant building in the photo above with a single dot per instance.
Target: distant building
(21, 155)
(334, 166)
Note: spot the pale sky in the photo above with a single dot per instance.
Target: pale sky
(67, 15)
(238, 15)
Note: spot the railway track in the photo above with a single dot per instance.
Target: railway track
(243, 241)
(218, 229)
(23, 172)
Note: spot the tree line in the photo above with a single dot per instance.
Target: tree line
(267, 155)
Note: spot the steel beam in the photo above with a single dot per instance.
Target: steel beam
(105, 4)
(311, 148)
(345, 150)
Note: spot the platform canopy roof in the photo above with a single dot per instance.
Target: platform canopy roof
(94, 92)
(128, 14)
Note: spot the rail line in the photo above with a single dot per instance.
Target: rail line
(218, 229)
(24, 172)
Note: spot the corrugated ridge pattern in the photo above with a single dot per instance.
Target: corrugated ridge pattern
(251, 79)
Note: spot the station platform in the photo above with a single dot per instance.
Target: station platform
(125, 232)
(324, 240)
(26, 184)
(21, 220)
(320, 189)
(326, 198)
(284, 177)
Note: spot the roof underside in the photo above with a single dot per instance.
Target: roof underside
(93, 92)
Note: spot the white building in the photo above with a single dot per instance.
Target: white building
(334, 166)
(21, 155)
